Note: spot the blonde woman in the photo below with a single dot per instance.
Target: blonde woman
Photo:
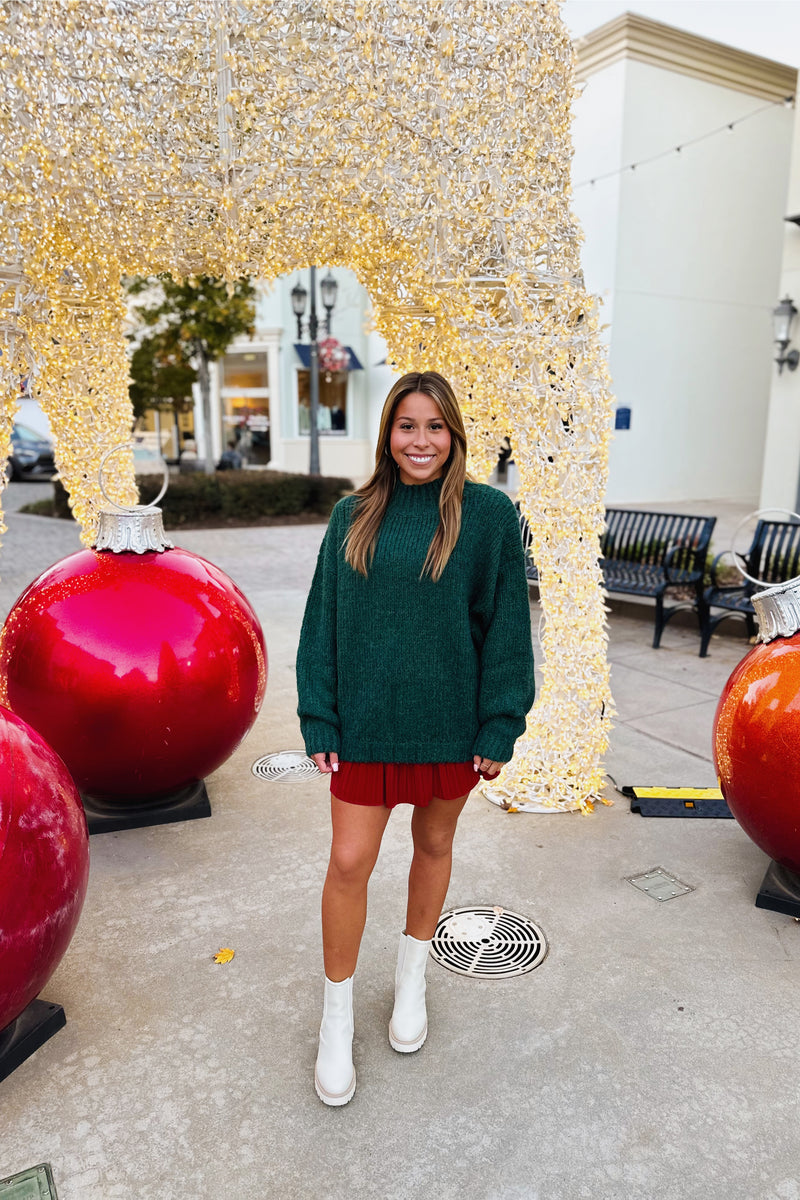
(414, 673)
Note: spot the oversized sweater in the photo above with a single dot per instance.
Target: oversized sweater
(397, 668)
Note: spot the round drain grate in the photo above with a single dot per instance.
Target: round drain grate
(286, 764)
(488, 943)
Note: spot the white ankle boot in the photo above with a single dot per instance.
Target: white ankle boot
(408, 1027)
(334, 1074)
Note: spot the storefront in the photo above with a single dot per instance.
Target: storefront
(260, 391)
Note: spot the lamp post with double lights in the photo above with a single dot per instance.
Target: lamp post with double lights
(328, 288)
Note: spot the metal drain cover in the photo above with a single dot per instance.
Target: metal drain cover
(659, 884)
(487, 943)
(286, 764)
(34, 1184)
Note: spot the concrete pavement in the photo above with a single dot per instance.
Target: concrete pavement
(651, 1054)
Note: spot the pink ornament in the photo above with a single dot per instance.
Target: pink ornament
(44, 863)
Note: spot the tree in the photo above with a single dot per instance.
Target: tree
(193, 322)
(161, 375)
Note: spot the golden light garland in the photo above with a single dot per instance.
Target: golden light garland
(425, 147)
(83, 390)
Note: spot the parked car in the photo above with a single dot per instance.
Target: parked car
(31, 454)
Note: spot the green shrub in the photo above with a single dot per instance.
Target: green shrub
(235, 496)
(39, 508)
(56, 506)
(61, 506)
(242, 495)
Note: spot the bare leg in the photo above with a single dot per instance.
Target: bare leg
(357, 833)
(432, 829)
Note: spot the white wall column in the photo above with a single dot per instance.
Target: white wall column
(780, 483)
(216, 412)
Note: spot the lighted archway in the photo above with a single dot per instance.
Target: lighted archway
(426, 148)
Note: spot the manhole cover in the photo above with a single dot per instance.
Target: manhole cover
(286, 764)
(489, 943)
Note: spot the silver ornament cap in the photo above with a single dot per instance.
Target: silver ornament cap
(135, 528)
(778, 610)
(132, 532)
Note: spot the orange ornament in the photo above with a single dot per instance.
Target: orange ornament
(757, 731)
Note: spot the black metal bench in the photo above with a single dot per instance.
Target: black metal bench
(647, 554)
(773, 557)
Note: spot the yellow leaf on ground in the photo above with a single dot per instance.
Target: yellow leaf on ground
(224, 955)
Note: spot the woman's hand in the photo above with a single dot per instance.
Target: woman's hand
(487, 766)
(327, 762)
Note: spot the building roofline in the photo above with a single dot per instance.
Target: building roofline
(638, 38)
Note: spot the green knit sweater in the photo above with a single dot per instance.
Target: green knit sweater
(394, 668)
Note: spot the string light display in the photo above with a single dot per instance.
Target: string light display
(427, 148)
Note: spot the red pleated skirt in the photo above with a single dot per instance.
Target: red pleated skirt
(390, 784)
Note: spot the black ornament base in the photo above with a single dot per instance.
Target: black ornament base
(780, 891)
(34, 1026)
(185, 805)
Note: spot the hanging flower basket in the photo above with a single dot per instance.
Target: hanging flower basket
(333, 356)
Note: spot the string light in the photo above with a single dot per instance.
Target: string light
(787, 102)
(427, 149)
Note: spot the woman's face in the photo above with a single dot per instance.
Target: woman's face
(420, 440)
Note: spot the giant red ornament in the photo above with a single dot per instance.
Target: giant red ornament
(44, 863)
(144, 671)
(757, 731)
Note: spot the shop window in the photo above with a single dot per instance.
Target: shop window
(332, 414)
(244, 393)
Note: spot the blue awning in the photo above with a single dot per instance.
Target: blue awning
(303, 351)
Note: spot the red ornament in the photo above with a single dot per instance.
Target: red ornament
(143, 671)
(757, 747)
(44, 864)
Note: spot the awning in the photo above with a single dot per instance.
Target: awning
(303, 351)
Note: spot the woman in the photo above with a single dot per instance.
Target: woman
(414, 672)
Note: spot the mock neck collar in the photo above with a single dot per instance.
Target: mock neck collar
(417, 495)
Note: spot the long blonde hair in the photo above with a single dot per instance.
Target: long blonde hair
(374, 496)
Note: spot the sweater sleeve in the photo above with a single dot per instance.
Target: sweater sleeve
(507, 689)
(316, 653)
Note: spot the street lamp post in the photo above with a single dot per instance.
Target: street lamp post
(329, 288)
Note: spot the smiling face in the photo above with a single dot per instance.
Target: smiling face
(420, 440)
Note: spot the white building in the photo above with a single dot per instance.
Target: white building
(685, 250)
